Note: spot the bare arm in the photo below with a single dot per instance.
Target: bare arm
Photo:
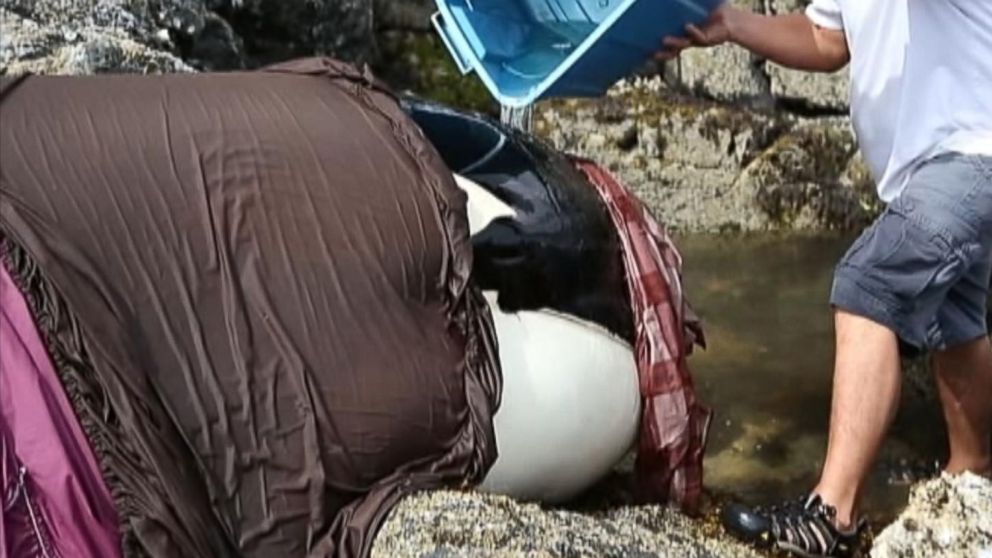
(790, 39)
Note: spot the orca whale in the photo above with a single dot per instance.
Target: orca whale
(548, 259)
(559, 249)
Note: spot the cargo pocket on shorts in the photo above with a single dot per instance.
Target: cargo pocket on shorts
(906, 258)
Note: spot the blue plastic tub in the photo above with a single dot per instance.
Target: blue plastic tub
(525, 50)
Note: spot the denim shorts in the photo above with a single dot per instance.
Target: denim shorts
(923, 268)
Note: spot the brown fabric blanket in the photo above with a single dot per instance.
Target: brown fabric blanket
(268, 277)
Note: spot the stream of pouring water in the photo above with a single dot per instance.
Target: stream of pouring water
(521, 118)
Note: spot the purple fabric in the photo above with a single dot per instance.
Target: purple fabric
(55, 503)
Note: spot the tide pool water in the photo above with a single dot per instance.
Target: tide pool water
(768, 372)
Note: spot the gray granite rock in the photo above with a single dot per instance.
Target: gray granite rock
(145, 35)
(949, 517)
(29, 46)
(470, 524)
(725, 73)
(140, 19)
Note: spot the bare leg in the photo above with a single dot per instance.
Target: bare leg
(964, 378)
(866, 395)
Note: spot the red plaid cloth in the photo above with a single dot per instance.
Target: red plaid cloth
(674, 424)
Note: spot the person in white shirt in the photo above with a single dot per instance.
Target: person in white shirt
(921, 105)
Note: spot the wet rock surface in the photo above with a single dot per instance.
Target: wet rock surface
(949, 517)
(470, 524)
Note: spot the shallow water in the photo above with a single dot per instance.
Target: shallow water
(767, 371)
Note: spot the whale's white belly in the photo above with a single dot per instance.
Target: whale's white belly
(570, 405)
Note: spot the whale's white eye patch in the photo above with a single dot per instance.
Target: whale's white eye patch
(483, 207)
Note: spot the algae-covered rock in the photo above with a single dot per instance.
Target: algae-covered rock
(710, 166)
(949, 517)
(679, 155)
(470, 524)
(797, 180)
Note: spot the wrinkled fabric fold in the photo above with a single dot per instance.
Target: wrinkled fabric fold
(269, 276)
(674, 424)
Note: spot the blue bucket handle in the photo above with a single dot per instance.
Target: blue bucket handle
(454, 41)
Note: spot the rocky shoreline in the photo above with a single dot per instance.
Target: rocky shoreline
(946, 518)
(720, 142)
(448, 524)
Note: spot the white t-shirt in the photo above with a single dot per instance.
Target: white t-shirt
(921, 79)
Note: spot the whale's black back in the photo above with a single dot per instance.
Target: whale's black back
(561, 251)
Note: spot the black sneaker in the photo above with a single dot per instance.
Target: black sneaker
(804, 527)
